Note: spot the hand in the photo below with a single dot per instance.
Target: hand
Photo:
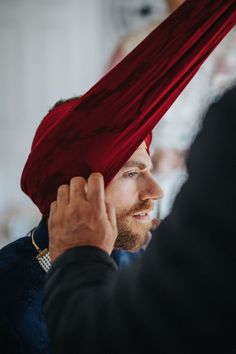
(80, 217)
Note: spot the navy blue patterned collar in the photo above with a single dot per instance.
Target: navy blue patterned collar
(41, 234)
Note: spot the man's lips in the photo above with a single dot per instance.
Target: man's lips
(142, 215)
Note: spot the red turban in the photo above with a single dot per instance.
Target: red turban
(103, 128)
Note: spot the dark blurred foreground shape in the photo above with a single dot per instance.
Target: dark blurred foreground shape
(180, 297)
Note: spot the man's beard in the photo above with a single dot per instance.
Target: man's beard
(132, 234)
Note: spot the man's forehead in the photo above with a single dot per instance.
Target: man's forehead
(142, 146)
(141, 149)
(140, 158)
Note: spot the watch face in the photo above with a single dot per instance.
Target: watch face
(129, 15)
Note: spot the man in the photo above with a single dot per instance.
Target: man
(180, 296)
(133, 191)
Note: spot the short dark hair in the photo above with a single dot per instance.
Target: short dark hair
(61, 101)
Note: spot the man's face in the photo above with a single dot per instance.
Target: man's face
(132, 192)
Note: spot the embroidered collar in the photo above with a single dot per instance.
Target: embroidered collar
(39, 238)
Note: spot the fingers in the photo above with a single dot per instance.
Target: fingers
(53, 207)
(95, 193)
(80, 217)
(53, 210)
(63, 195)
(111, 214)
(77, 189)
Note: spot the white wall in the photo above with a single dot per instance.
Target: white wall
(50, 49)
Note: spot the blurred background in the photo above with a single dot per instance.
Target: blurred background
(54, 49)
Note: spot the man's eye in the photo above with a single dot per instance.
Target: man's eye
(130, 174)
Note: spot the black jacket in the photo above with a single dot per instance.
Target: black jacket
(180, 296)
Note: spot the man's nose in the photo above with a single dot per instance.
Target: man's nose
(151, 190)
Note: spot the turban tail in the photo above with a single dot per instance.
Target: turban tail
(102, 129)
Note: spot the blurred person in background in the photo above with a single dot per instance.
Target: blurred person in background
(129, 41)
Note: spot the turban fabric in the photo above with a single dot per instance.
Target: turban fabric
(101, 130)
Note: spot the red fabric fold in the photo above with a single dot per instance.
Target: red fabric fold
(102, 129)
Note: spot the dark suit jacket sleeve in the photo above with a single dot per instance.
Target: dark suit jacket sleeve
(180, 296)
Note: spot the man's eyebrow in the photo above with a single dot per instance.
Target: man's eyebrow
(140, 165)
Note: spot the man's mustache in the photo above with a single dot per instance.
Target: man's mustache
(144, 206)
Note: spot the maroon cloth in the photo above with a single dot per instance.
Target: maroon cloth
(103, 128)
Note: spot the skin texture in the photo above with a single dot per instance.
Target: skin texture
(77, 216)
(133, 191)
(119, 221)
(173, 4)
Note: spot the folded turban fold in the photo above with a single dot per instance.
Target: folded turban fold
(101, 130)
